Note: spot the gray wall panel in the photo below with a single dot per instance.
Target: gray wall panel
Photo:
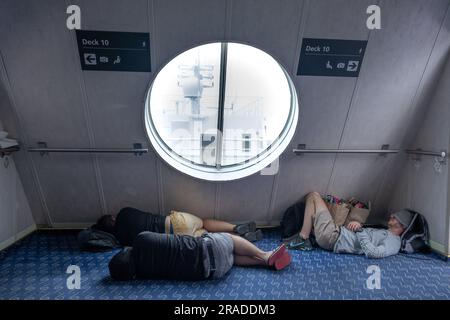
(180, 25)
(269, 25)
(299, 175)
(323, 104)
(420, 185)
(50, 106)
(7, 202)
(429, 81)
(69, 186)
(246, 199)
(434, 133)
(427, 182)
(358, 176)
(21, 158)
(385, 91)
(24, 216)
(30, 187)
(113, 15)
(393, 65)
(337, 19)
(131, 181)
(183, 193)
(117, 115)
(41, 45)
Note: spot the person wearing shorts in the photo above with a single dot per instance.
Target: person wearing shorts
(185, 224)
(129, 222)
(184, 257)
(351, 238)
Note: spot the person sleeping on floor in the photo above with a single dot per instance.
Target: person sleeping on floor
(129, 222)
(184, 257)
(353, 238)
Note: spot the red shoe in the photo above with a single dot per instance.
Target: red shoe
(276, 254)
(283, 261)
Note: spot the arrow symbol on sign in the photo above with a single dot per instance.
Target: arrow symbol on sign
(352, 65)
(90, 59)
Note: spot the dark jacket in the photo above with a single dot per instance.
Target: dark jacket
(130, 222)
(178, 257)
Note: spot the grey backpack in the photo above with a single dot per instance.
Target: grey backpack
(416, 236)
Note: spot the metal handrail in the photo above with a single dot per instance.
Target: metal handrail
(43, 149)
(384, 150)
(441, 154)
(344, 151)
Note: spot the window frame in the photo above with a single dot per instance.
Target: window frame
(221, 172)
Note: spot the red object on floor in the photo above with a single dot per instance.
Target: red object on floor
(283, 261)
(277, 253)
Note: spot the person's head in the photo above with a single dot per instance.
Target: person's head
(106, 223)
(121, 266)
(399, 221)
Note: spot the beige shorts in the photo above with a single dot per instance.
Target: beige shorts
(325, 230)
(186, 223)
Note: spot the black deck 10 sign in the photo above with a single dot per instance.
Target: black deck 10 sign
(332, 58)
(114, 51)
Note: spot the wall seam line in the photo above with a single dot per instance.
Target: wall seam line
(350, 107)
(155, 59)
(24, 136)
(303, 8)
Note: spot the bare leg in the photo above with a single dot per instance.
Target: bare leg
(248, 261)
(217, 226)
(314, 204)
(243, 247)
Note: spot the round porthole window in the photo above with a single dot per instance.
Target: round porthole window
(221, 111)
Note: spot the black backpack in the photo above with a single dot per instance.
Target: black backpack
(416, 236)
(94, 240)
(292, 220)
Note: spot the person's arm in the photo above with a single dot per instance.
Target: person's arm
(388, 248)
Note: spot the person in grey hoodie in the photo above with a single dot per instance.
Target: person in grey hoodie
(352, 238)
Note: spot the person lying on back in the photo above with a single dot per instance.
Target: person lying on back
(129, 222)
(353, 238)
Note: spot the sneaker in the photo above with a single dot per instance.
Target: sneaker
(276, 254)
(300, 244)
(253, 236)
(244, 228)
(291, 238)
(283, 261)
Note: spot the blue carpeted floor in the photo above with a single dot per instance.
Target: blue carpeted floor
(36, 268)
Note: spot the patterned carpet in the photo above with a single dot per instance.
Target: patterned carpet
(35, 268)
